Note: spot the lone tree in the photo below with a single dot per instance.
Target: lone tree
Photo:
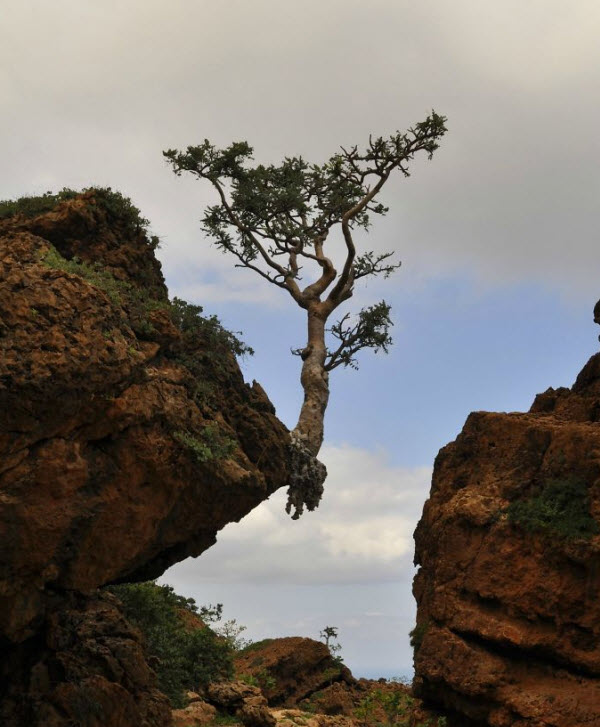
(277, 220)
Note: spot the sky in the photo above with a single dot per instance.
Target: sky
(498, 237)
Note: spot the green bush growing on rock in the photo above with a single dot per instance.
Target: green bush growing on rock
(183, 659)
(398, 707)
(417, 635)
(561, 509)
(35, 205)
(190, 321)
(114, 203)
(210, 444)
(94, 274)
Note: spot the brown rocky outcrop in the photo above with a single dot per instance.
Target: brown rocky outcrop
(508, 612)
(127, 440)
(290, 669)
(244, 701)
(86, 666)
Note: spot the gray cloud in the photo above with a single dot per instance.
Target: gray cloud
(361, 533)
(93, 92)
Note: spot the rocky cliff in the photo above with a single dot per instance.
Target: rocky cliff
(508, 625)
(128, 439)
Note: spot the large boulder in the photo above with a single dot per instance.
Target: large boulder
(86, 666)
(290, 669)
(128, 437)
(508, 623)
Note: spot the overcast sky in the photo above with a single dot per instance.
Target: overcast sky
(498, 236)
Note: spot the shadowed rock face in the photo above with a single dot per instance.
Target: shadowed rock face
(125, 445)
(509, 618)
(294, 667)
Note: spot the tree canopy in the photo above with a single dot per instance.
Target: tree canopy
(277, 220)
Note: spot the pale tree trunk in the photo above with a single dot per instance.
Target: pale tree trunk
(315, 382)
(307, 474)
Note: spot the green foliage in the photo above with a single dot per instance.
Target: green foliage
(226, 719)
(210, 444)
(276, 219)
(261, 679)
(366, 708)
(94, 274)
(256, 646)
(371, 330)
(114, 203)
(139, 305)
(398, 707)
(561, 510)
(34, 206)
(232, 632)
(296, 200)
(186, 659)
(187, 317)
(417, 635)
(133, 299)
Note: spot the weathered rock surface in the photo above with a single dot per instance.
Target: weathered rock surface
(86, 666)
(509, 619)
(197, 713)
(244, 701)
(290, 669)
(297, 718)
(126, 443)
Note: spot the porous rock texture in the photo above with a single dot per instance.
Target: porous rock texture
(303, 683)
(106, 467)
(290, 669)
(509, 619)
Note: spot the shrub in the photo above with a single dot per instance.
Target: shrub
(34, 206)
(114, 203)
(398, 707)
(417, 635)
(210, 444)
(94, 274)
(185, 659)
(187, 317)
(561, 509)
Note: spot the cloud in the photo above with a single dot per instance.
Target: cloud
(95, 92)
(361, 533)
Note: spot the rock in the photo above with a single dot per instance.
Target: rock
(230, 695)
(290, 669)
(243, 700)
(126, 443)
(297, 718)
(508, 619)
(87, 667)
(197, 713)
(255, 712)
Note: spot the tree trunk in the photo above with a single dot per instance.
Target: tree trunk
(315, 382)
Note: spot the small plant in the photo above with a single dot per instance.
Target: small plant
(94, 274)
(561, 509)
(256, 645)
(261, 679)
(210, 444)
(232, 632)
(366, 708)
(417, 635)
(190, 321)
(398, 707)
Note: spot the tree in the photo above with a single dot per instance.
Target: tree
(328, 634)
(277, 220)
